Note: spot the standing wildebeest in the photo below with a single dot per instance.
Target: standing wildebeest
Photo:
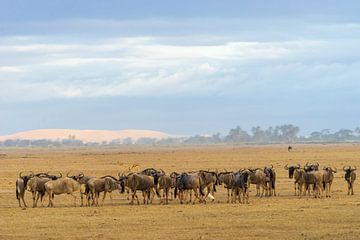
(105, 184)
(83, 180)
(61, 186)
(328, 179)
(21, 184)
(227, 179)
(311, 167)
(299, 177)
(240, 185)
(208, 180)
(259, 178)
(271, 175)
(36, 185)
(316, 179)
(350, 177)
(173, 177)
(188, 181)
(165, 183)
(289, 148)
(140, 182)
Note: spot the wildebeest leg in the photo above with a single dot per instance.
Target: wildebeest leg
(167, 195)
(33, 197)
(37, 194)
(103, 199)
(352, 188)
(72, 194)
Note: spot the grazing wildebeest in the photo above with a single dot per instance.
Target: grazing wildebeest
(350, 177)
(227, 179)
(289, 148)
(316, 179)
(328, 179)
(61, 186)
(105, 184)
(21, 184)
(271, 175)
(188, 181)
(259, 178)
(36, 185)
(240, 186)
(299, 177)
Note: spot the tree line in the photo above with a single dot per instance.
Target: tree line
(286, 133)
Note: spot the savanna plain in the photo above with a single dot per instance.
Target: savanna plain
(282, 217)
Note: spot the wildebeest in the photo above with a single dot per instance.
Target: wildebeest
(227, 179)
(259, 178)
(105, 184)
(289, 148)
(188, 181)
(350, 177)
(208, 181)
(140, 182)
(21, 184)
(36, 185)
(165, 184)
(61, 186)
(83, 180)
(314, 178)
(271, 174)
(239, 186)
(328, 179)
(311, 167)
(299, 177)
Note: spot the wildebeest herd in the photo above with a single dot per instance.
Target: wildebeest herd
(187, 187)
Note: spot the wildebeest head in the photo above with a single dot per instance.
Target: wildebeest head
(311, 167)
(291, 169)
(152, 172)
(348, 171)
(329, 169)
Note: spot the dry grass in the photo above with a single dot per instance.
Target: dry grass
(281, 217)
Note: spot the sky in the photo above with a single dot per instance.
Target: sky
(182, 67)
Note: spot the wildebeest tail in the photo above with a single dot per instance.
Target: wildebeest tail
(157, 192)
(17, 192)
(201, 191)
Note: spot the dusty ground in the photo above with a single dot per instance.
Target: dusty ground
(281, 217)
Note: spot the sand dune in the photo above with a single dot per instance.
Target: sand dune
(86, 135)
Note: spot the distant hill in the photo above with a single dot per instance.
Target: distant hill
(85, 135)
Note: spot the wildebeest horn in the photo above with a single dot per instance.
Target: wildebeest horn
(272, 166)
(344, 168)
(67, 174)
(354, 169)
(334, 170)
(286, 167)
(317, 164)
(20, 174)
(298, 165)
(162, 171)
(307, 164)
(81, 174)
(60, 175)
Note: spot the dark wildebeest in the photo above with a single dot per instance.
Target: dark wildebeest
(240, 185)
(61, 186)
(350, 177)
(188, 181)
(271, 174)
(299, 177)
(227, 179)
(328, 179)
(289, 148)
